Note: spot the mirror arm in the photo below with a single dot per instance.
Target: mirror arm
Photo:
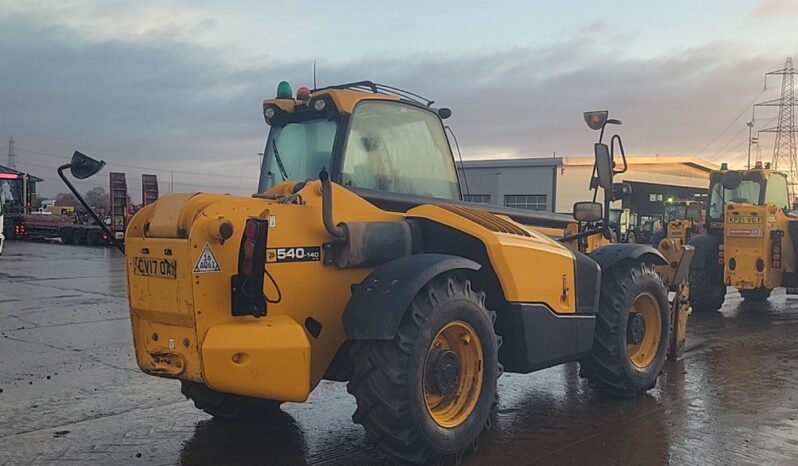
(623, 153)
(91, 212)
(580, 235)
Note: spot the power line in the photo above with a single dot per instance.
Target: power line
(726, 128)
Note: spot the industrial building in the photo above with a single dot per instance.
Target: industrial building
(554, 183)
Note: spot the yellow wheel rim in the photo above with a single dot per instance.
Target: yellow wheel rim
(644, 330)
(453, 374)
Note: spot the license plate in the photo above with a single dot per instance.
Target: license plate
(745, 219)
(159, 268)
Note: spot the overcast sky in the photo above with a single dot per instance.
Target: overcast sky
(160, 86)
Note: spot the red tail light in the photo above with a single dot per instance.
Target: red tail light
(721, 255)
(247, 286)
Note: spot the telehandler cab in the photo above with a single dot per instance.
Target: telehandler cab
(357, 261)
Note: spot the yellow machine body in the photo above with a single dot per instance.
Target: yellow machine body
(758, 250)
(183, 326)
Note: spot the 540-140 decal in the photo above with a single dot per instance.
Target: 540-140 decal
(294, 254)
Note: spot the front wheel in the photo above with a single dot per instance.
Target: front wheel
(226, 405)
(632, 332)
(756, 295)
(427, 394)
(706, 294)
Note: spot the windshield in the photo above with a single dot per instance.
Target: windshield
(10, 193)
(748, 192)
(297, 151)
(399, 148)
(675, 212)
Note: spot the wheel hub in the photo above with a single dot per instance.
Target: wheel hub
(445, 372)
(635, 328)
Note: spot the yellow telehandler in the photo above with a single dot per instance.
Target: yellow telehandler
(357, 261)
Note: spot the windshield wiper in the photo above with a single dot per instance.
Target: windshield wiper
(279, 160)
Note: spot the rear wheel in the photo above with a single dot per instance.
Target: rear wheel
(66, 235)
(78, 236)
(632, 332)
(706, 294)
(428, 394)
(226, 405)
(757, 295)
(631, 238)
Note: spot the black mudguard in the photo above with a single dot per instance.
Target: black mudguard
(379, 302)
(607, 256)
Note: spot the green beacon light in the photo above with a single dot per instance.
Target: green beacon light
(284, 90)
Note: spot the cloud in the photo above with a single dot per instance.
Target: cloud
(777, 8)
(159, 97)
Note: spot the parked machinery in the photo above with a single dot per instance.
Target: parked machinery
(624, 226)
(748, 240)
(683, 219)
(358, 262)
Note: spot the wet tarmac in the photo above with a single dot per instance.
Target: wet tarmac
(70, 392)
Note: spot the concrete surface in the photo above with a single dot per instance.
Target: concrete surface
(70, 392)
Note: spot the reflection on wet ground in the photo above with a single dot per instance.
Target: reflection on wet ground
(71, 392)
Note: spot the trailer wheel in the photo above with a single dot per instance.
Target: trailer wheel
(78, 236)
(757, 295)
(226, 405)
(10, 228)
(632, 331)
(93, 237)
(706, 295)
(427, 394)
(66, 235)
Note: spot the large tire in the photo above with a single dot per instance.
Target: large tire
(632, 331)
(66, 235)
(226, 405)
(404, 386)
(631, 238)
(78, 236)
(706, 294)
(756, 295)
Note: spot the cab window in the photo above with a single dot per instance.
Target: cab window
(694, 212)
(398, 148)
(776, 191)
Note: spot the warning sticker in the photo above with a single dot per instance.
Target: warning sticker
(207, 261)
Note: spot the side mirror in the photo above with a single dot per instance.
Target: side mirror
(731, 180)
(596, 120)
(82, 166)
(603, 165)
(588, 211)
